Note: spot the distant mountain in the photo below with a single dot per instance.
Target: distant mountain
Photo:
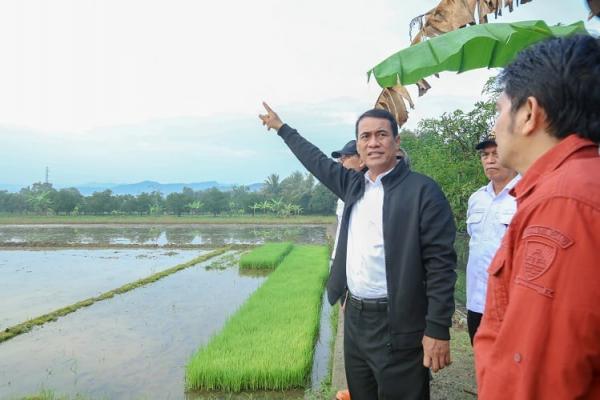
(165, 188)
(9, 187)
(141, 187)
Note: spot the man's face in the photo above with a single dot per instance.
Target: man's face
(506, 139)
(376, 144)
(491, 166)
(351, 162)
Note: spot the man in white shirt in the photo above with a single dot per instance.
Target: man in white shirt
(490, 210)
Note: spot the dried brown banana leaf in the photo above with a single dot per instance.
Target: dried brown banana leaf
(392, 99)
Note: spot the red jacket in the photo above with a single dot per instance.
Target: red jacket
(540, 333)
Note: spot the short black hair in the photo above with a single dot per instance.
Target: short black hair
(563, 74)
(381, 114)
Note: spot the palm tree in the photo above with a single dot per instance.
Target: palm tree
(272, 185)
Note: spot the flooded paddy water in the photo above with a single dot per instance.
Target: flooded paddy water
(34, 283)
(171, 235)
(136, 344)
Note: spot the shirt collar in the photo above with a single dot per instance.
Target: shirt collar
(551, 160)
(508, 187)
(377, 180)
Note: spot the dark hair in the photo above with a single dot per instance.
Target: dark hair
(381, 114)
(563, 74)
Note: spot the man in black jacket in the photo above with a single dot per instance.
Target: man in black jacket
(394, 264)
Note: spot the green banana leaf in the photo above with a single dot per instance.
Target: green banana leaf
(485, 45)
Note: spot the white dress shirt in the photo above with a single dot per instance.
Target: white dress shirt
(365, 257)
(339, 212)
(488, 216)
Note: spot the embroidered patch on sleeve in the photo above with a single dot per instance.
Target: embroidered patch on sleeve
(538, 259)
(549, 233)
(539, 256)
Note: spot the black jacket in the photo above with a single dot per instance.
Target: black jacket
(418, 236)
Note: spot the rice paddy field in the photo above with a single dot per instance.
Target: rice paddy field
(144, 300)
(267, 256)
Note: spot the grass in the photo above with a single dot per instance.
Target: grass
(461, 245)
(267, 256)
(268, 344)
(27, 326)
(13, 219)
(457, 382)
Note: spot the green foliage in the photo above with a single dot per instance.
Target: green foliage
(272, 186)
(268, 344)
(177, 203)
(323, 201)
(444, 149)
(478, 46)
(267, 256)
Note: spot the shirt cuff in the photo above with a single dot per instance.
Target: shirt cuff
(437, 331)
(285, 131)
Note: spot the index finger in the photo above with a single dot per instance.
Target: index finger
(266, 106)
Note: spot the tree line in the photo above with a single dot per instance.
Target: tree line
(294, 195)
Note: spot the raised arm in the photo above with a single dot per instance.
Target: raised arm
(330, 173)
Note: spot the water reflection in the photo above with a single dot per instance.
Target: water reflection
(214, 235)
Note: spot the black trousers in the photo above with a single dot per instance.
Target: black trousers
(473, 321)
(375, 371)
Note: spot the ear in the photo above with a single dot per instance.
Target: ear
(398, 141)
(533, 116)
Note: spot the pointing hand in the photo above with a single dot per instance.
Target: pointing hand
(270, 119)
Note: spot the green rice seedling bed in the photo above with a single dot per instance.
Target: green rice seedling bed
(268, 344)
(267, 256)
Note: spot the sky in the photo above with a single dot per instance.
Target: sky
(122, 91)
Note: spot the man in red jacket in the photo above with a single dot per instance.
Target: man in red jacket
(540, 334)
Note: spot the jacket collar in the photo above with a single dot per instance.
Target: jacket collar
(571, 147)
(399, 171)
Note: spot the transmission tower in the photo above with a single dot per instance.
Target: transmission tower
(47, 174)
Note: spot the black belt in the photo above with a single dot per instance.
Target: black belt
(368, 304)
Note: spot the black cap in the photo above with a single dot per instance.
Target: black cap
(348, 150)
(594, 8)
(487, 140)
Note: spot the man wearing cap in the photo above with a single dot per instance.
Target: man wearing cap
(540, 333)
(349, 158)
(489, 212)
(394, 261)
(403, 155)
